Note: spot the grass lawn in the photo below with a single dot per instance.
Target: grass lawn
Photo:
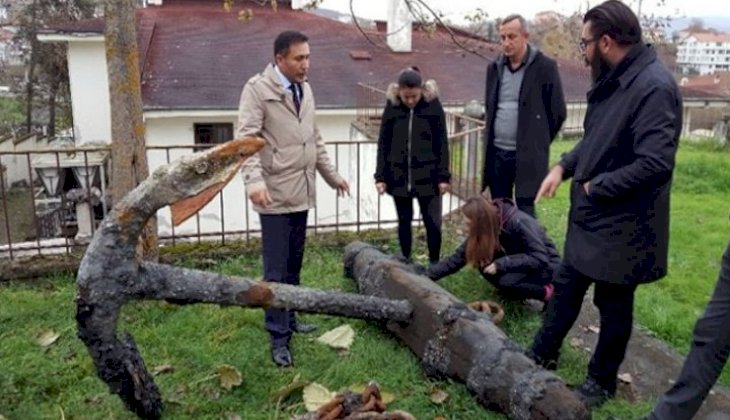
(11, 114)
(58, 381)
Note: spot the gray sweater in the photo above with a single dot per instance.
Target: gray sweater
(505, 122)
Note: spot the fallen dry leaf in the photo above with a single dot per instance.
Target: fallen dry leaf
(295, 385)
(316, 395)
(439, 396)
(211, 393)
(576, 342)
(338, 338)
(387, 397)
(625, 377)
(47, 338)
(233, 417)
(159, 370)
(229, 376)
(358, 388)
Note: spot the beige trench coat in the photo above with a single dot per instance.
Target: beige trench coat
(294, 148)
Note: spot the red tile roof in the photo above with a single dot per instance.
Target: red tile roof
(195, 55)
(706, 86)
(711, 37)
(200, 56)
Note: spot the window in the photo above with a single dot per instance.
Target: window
(212, 133)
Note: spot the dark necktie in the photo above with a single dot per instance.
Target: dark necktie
(295, 92)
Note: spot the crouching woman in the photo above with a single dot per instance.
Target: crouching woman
(509, 248)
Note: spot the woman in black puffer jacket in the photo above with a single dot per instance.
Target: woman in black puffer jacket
(509, 248)
(413, 157)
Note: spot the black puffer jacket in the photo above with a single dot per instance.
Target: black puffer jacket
(524, 246)
(413, 152)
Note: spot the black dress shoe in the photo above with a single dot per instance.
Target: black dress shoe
(592, 394)
(281, 356)
(305, 328)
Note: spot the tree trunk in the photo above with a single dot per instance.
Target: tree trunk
(29, 93)
(455, 341)
(30, 71)
(52, 94)
(129, 158)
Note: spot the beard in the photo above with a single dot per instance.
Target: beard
(599, 66)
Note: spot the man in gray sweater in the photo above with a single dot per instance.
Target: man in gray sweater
(525, 109)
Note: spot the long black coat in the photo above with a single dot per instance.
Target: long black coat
(542, 112)
(619, 231)
(524, 246)
(413, 145)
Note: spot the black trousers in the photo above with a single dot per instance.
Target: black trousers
(707, 356)
(520, 286)
(282, 240)
(615, 304)
(431, 210)
(502, 175)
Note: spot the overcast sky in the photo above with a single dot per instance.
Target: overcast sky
(454, 9)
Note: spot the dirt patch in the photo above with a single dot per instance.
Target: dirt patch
(652, 364)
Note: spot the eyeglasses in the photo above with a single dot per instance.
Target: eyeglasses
(583, 44)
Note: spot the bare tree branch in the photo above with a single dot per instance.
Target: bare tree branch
(451, 33)
(360, 29)
(184, 286)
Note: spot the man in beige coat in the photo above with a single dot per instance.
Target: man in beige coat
(278, 105)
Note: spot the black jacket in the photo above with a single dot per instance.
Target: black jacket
(524, 246)
(619, 231)
(413, 146)
(542, 112)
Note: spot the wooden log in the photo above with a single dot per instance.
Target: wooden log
(186, 286)
(454, 341)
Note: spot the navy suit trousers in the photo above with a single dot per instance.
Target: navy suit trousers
(282, 246)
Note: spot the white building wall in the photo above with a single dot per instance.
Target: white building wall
(237, 213)
(89, 92)
(16, 166)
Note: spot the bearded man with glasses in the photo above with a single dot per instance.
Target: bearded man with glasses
(618, 225)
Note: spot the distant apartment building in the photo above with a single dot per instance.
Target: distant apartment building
(704, 53)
